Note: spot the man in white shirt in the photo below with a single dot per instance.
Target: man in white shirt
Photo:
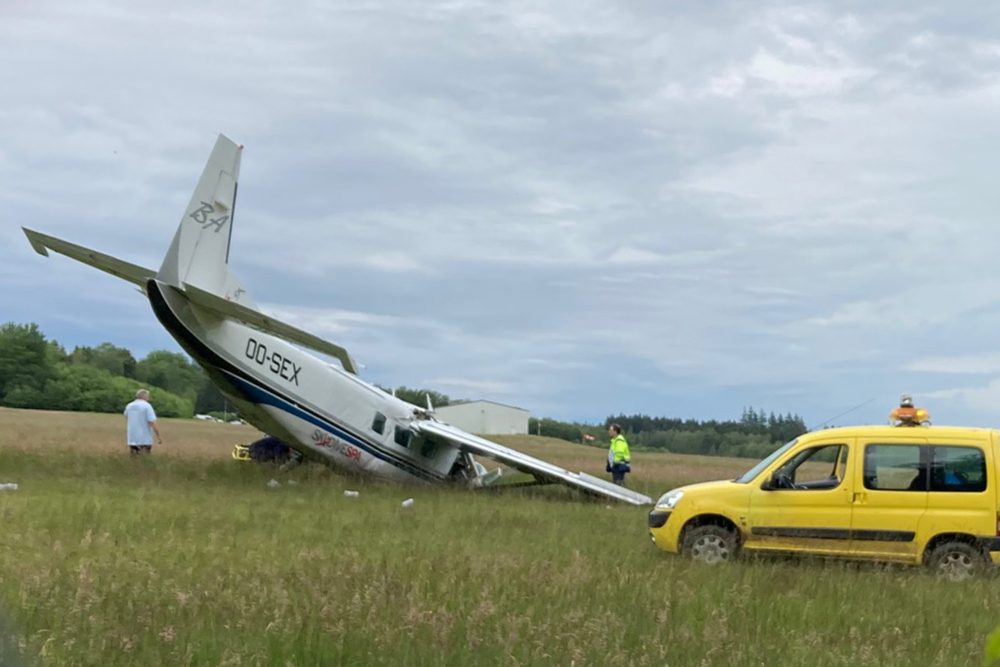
(141, 420)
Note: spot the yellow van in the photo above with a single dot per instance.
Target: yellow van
(918, 495)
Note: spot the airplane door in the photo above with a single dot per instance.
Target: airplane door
(805, 505)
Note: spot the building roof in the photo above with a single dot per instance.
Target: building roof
(483, 400)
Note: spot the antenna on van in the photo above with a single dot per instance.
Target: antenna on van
(845, 412)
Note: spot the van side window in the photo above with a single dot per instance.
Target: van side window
(378, 424)
(813, 469)
(402, 436)
(894, 468)
(958, 469)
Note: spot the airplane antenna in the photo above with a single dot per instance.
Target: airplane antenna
(845, 412)
(430, 408)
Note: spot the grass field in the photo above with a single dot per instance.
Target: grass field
(188, 558)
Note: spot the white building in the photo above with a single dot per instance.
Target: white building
(484, 417)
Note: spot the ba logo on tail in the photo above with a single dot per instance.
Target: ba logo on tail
(200, 215)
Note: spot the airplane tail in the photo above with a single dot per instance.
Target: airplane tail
(197, 262)
(199, 253)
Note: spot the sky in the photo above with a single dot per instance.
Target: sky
(582, 208)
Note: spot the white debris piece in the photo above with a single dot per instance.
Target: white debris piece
(273, 483)
(8, 486)
(351, 494)
(407, 503)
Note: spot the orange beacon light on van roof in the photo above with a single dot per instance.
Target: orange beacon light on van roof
(908, 415)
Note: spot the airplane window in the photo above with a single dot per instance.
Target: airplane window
(403, 436)
(378, 424)
(429, 449)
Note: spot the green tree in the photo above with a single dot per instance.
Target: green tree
(419, 396)
(85, 388)
(209, 398)
(563, 430)
(115, 360)
(171, 371)
(25, 365)
(55, 353)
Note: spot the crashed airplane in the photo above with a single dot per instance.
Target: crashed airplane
(322, 410)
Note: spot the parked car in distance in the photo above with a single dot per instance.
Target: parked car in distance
(916, 495)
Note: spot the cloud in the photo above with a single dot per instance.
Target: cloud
(981, 364)
(629, 255)
(979, 398)
(493, 388)
(788, 78)
(579, 207)
(393, 262)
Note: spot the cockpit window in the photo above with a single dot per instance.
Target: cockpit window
(403, 435)
(378, 424)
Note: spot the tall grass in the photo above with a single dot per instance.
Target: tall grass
(111, 560)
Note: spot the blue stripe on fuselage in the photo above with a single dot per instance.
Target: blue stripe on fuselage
(255, 391)
(265, 396)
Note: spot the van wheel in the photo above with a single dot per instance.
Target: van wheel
(710, 544)
(956, 561)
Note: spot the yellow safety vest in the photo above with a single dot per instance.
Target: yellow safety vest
(619, 450)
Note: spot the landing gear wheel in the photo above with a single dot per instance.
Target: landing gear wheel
(710, 544)
(956, 561)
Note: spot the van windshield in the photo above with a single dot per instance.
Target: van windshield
(754, 471)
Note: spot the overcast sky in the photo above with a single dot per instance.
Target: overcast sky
(579, 207)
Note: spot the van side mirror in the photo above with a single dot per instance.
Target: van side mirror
(778, 480)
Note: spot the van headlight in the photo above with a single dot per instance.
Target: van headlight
(670, 498)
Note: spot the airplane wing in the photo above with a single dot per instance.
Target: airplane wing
(259, 320)
(540, 469)
(133, 273)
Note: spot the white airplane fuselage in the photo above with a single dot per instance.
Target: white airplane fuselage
(322, 410)
(318, 409)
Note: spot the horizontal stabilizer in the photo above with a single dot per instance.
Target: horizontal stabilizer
(528, 464)
(259, 320)
(116, 267)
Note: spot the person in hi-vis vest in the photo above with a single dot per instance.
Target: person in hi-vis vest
(618, 455)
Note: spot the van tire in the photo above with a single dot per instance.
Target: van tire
(710, 544)
(956, 561)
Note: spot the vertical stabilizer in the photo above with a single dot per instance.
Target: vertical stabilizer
(199, 252)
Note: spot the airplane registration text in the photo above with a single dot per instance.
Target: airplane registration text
(281, 366)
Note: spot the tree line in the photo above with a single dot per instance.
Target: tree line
(40, 373)
(754, 435)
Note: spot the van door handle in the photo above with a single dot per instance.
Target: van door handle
(860, 497)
